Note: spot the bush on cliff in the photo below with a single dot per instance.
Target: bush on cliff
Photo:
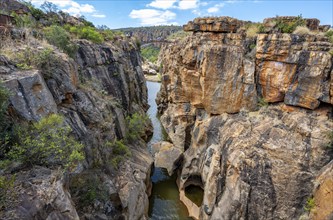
(86, 32)
(150, 53)
(300, 30)
(4, 125)
(289, 27)
(136, 126)
(329, 34)
(119, 152)
(60, 38)
(47, 142)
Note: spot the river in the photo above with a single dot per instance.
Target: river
(164, 203)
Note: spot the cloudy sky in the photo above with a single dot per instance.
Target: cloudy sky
(135, 13)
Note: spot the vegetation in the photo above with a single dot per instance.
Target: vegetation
(86, 188)
(150, 53)
(119, 152)
(329, 144)
(310, 204)
(136, 126)
(6, 189)
(300, 30)
(86, 32)
(289, 27)
(23, 21)
(47, 142)
(329, 34)
(60, 38)
(262, 102)
(179, 35)
(4, 101)
(111, 35)
(28, 58)
(252, 30)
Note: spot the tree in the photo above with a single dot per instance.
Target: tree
(49, 7)
(47, 142)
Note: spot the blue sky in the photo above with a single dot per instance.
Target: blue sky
(136, 13)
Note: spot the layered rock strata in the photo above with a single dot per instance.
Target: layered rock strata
(95, 92)
(252, 159)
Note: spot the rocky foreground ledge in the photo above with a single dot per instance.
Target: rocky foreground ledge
(252, 115)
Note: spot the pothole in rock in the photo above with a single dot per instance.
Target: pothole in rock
(195, 194)
(194, 189)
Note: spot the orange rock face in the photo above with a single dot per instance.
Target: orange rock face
(293, 69)
(211, 71)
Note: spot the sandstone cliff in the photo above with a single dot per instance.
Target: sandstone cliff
(95, 92)
(237, 107)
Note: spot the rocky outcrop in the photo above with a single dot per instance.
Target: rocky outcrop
(154, 34)
(252, 159)
(218, 25)
(95, 92)
(294, 69)
(323, 194)
(166, 156)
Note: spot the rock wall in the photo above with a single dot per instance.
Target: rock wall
(95, 92)
(253, 159)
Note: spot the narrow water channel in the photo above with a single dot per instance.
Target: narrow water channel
(164, 203)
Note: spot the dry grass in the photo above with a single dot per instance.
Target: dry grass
(301, 30)
(252, 30)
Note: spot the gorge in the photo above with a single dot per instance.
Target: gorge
(240, 126)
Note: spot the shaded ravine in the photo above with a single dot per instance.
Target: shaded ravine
(164, 201)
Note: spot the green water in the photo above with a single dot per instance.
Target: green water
(164, 203)
(195, 194)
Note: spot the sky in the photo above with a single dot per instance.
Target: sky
(137, 13)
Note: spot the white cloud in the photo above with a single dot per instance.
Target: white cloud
(153, 17)
(98, 15)
(70, 6)
(188, 4)
(215, 8)
(162, 4)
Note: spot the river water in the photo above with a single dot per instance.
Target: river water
(164, 203)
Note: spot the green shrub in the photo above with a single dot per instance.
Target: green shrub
(47, 142)
(329, 34)
(262, 102)
(329, 144)
(6, 189)
(136, 126)
(23, 21)
(179, 35)
(111, 35)
(289, 27)
(28, 58)
(87, 32)
(60, 38)
(310, 204)
(150, 53)
(4, 101)
(86, 188)
(119, 152)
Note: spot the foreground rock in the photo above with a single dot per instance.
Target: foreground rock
(262, 161)
(95, 92)
(166, 156)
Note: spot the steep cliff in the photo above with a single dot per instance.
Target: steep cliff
(236, 106)
(95, 92)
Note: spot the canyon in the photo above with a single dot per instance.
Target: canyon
(247, 119)
(253, 161)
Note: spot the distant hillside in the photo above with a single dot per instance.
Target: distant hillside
(151, 34)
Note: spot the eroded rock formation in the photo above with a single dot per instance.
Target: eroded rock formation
(95, 92)
(252, 159)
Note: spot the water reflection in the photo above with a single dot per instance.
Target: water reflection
(164, 203)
